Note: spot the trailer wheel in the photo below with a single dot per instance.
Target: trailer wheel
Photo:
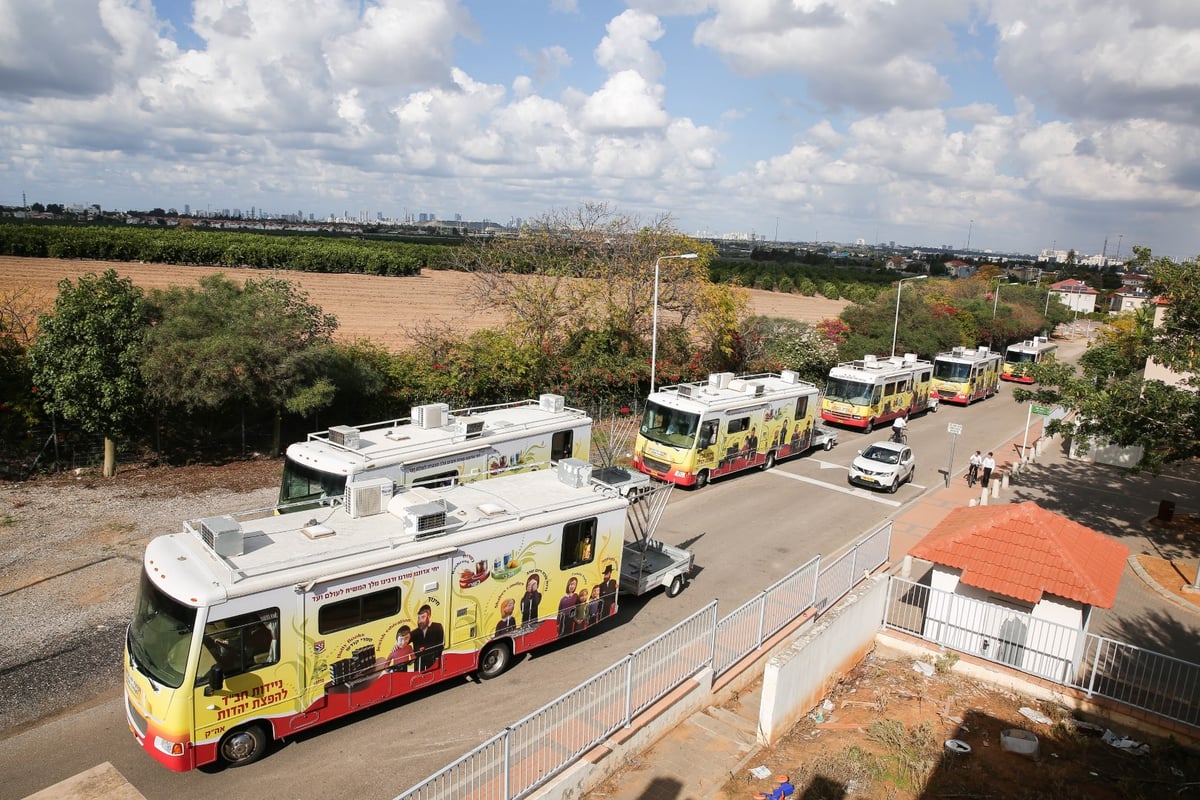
(494, 659)
(244, 745)
(770, 462)
(676, 586)
(829, 443)
(702, 479)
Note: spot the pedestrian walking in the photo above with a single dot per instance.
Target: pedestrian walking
(976, 462)
(989, 464)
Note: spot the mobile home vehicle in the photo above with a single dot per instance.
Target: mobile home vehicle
(963, 375)
(693, 432)
(434, 447)
(250, 627)
(1018, 358)
(864, 393)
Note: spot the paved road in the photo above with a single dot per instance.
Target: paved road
(746, 531)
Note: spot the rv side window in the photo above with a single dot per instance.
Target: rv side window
(708, 434)
(890, 389)
(560, 445)
(578, 543)
(738, 425)
(802, 407)
(358, 610)
(438, 480)
(242, 643)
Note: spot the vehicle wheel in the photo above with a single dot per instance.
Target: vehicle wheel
(870, 426)
(702, 479)
(895, 485)
(933, 408)
(770, 462)
(494, 659)
(829, 443)
(243, 746)
(676, 586)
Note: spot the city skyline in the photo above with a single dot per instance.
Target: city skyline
(1002, 125)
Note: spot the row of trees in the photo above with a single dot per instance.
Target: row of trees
(580, 316)
(221, 249)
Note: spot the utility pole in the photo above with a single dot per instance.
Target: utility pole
(969, 229)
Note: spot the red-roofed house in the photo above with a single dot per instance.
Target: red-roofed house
(1075, 295)
(1016, 583)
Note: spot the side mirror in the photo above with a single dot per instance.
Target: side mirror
(216, 679)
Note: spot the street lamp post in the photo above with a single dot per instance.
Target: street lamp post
(654, 330)
(995, 305)
(896, 323)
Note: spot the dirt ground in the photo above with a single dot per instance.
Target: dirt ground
(882, 734)
(386, 310)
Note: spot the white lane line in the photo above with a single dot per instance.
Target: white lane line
(860, 493)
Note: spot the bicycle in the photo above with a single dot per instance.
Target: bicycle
(899, 436)
(972, 475)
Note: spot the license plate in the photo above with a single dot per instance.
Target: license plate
(867, 478)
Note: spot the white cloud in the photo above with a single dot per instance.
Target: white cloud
(626, 102)
(626, 46)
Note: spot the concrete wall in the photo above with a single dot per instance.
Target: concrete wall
(796, 679)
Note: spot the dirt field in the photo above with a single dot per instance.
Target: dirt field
(883, 732)
(385, 310)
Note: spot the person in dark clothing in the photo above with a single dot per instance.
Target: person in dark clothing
(531, 600)
(989, 464)
(428, 640)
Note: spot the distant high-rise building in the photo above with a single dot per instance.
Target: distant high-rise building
(187, 209)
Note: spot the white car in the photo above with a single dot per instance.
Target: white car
(883, 465)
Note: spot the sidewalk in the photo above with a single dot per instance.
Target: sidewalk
(696, 759)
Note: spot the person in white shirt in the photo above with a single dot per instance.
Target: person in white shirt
(898, 426)
(989, 464)
(973, 470)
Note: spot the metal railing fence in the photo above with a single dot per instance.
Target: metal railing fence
(534, 749)
(1160, 684)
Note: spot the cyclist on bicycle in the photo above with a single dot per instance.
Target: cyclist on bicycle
(898, 434)
(973, 469)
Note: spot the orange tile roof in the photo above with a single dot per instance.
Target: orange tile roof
(1022, 550)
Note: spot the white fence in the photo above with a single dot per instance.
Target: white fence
(1154, 682)
(533, 750)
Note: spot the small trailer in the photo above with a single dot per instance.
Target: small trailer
(647, 563)
(824, 438)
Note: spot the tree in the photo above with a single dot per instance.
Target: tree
(1113, 401)
(85, 358)
(260, 344)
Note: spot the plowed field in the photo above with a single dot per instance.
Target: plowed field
(386, 310)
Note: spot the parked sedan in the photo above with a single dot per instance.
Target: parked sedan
(883, 465)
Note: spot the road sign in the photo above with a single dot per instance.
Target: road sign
(1041, 410)
(955, 428)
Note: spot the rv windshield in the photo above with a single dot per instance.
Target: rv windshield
(951, 370)
(1018, 357)
(302, 483)
(160, 634)
(669, 425)
(854, 392)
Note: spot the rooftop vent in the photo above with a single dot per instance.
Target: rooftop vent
(685, 390)
(574, 472)
(789, 376)
(719, 380)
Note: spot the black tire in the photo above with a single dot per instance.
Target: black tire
(895, 485)
(870, 426)
(244, 745)
(770, 462)
(829, 443)
(494, 660)
(702, 479)
(676, 586)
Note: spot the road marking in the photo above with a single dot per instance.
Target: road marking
(861, 493)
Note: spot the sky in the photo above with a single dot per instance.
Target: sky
(1002, 125)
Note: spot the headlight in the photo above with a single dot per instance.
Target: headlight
(168, 747)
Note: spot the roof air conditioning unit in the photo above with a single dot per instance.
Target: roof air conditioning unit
(344, 435)
(553, 403)
(685, 390)
(789, 376)
(869, 359)
(983, 350)
(425, 519)
(470, 427)
(574, 472)
(364, 498)
(720, 380)
(432, 415)
(755, 389)
(223, 535)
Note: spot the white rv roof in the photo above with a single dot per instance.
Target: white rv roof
(401, 441)
(967, 355)
(871, 369)
(723, 391)
(303, 548)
